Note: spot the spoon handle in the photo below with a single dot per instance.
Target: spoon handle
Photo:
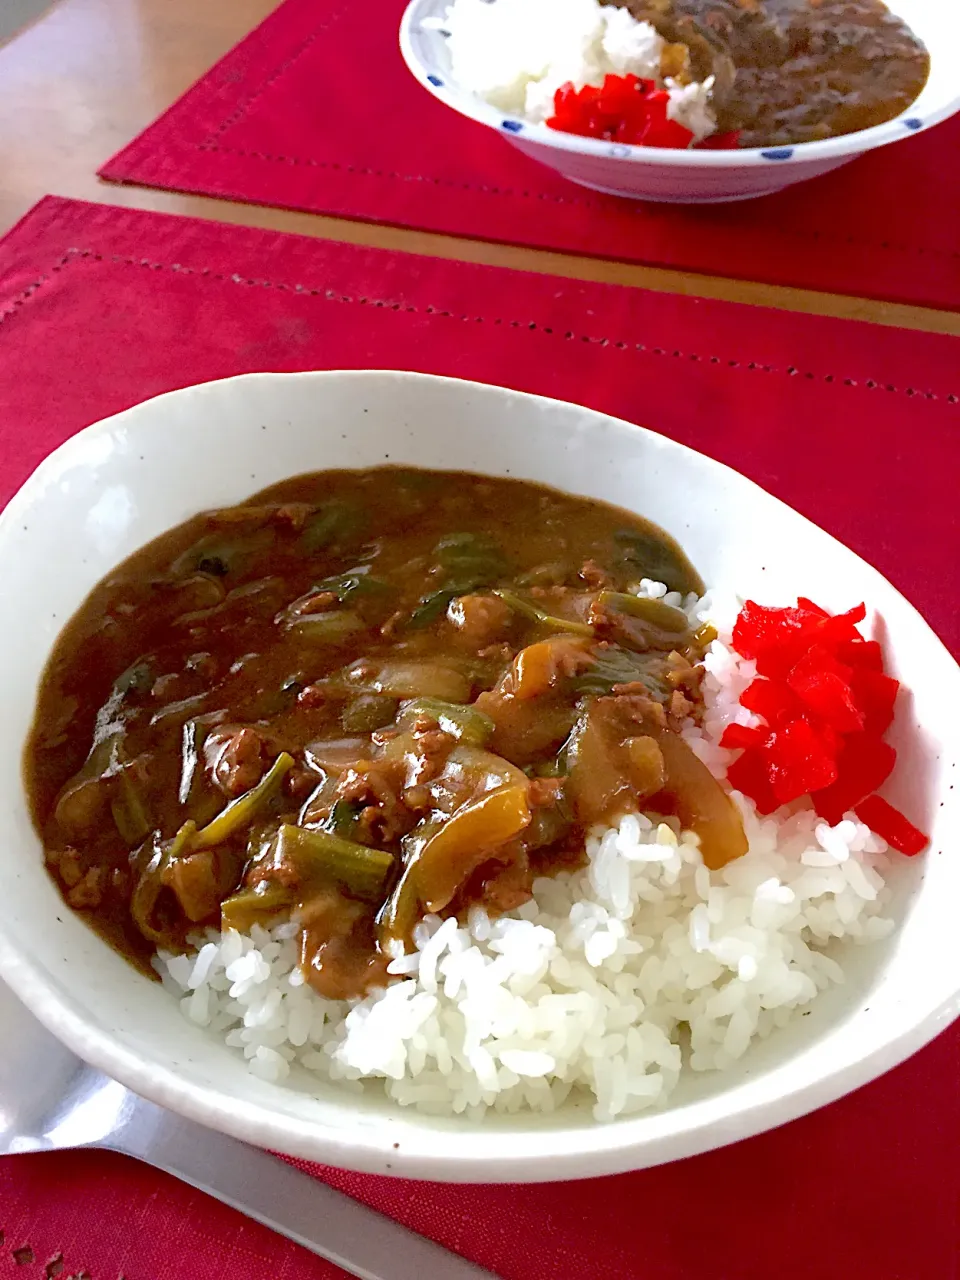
(361, 1241)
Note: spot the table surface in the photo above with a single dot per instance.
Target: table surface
(88, 75)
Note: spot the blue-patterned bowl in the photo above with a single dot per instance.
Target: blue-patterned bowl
(693, 177)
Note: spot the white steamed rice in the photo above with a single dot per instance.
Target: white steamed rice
(515, 54)
(593, 985)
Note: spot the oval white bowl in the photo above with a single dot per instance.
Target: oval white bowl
(694, 177)
(123, 481)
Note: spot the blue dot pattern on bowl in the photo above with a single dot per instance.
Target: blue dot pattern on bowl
(913, 123)
(435, 81)
(620, 152)
(511, 126)
(778, 153)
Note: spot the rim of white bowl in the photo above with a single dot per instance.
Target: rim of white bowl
(907, 124)
(433, 1154)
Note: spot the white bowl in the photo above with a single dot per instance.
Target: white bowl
(694, 177)
(121, 482)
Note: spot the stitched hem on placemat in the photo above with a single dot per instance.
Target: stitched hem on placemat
(78, 255)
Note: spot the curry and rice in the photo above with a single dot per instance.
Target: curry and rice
(689, 73)
(463, 785)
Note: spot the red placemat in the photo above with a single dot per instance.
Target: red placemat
(855, 425)
(316, 111)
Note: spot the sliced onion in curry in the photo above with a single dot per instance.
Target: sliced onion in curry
(472, 835)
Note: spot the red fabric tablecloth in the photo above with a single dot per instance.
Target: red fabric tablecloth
(316, 111)
(857, 426)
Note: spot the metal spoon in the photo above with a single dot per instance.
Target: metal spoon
(51, 1101)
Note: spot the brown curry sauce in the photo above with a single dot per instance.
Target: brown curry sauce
(358, 697)
(792, 71)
